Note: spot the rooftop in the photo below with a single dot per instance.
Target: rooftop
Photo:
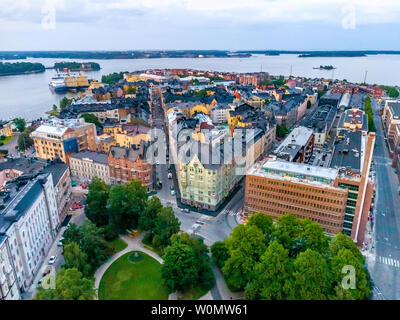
(96, 157)
(294, 171)
(348, 151)
(394, 107)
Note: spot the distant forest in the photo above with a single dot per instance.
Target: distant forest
(124, 54)
(7, 68)
(73, 66)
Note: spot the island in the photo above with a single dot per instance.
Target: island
(10, 69)
(77, 66)
(325, 67)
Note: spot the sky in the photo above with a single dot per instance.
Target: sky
(204, 24)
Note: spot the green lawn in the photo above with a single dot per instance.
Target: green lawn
(193, 294)
(127, 280)
(118, 244)
(6, 140)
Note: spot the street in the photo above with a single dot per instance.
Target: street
(209, 228)
(384, 260)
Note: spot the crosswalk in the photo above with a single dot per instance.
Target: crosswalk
(230, 212)
(389, 261)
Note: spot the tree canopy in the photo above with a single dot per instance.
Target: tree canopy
(291, 259)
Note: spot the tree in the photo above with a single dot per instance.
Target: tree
(125, 204)
(288, 229)
(91, 241)
(245, 245)
(179, 268)
(91, 118)
(24, 140)
(314, 237)
(362, 286)
(341, 241)
(76, 258)
(70, 285)
(96, 202)
(220, 253)
(311, 276)
(65, 103)
(131, 90)
(165, 225)
(204, 271)
(149, 215)
(264, 223)
(281, 131)
(272, 275)
(20, 123)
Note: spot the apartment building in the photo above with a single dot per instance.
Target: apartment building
(204, 179)
(128, 134)
(391, 121)
(28, 224)
(58, 138)
(90, 164)
(29, 167)
(5, 129)
(126, 164)
(298, 145)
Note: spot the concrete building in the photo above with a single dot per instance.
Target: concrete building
(352, 157)
(8, 278)
(220, 113)
(58, 138)
(126, 164)
(90, 164)
(338, 197)
(391, 120)
(28, 226)
(297, 146)
(280, 187)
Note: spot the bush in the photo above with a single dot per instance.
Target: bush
(109, 232)
(2, 137)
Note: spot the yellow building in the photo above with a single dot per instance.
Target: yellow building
(5, 129)
(60, 138)
(128, 134)
(106, 142)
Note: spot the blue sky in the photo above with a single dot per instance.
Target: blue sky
(205, 24)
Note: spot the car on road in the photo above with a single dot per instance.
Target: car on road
(169, 175)
(52, 259)
(172, 190)
(186, 210)
(60, 242)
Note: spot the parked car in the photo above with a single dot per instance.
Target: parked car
(52, 259)
(186, 210)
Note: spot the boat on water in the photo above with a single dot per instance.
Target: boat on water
(65, 81)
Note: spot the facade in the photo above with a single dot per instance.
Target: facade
(126, 164)
(280, 187)
(5, 129)
(90, 164)
(60, 138)
(62, 186)
(352, 156)
(205, 183)
(220, 114)
(391, 119)
(28, 226)
(128, 135)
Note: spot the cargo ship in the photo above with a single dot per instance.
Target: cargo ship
(64, 81)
